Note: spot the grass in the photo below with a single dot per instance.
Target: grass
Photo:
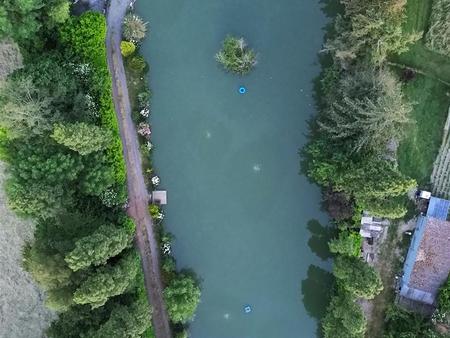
(430, 92)
(420, 57)
(420, 147)
(22, 313)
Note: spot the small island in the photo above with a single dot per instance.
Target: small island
(235, 56)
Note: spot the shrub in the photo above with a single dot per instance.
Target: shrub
(182, 296)
(137, 64)
(235, 56)
(134, 28)
(357, 277)
(127, 48)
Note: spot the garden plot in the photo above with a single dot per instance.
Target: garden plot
(22, 312)
(440, 178)
(438, 35)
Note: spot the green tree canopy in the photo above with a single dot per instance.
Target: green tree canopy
(372, 29)
(348, 244)
(82, 137)
(182, 296)
(368, 110)
(85, 35)
(24, 108)
(107, 241)
(107, 281)
(235, 56)
(344, 318)
(357, 277)
(125, 322)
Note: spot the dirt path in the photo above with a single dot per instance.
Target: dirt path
(137, 191)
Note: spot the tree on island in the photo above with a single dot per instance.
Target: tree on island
(235, 56)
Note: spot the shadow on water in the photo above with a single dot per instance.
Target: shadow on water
(331, 8)
(316, 292)
(320, 236)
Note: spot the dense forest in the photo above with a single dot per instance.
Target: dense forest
(352, 152)
(60, 139)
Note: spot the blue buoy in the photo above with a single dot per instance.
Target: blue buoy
(247, 309)
(242, 90)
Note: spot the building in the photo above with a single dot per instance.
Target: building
(427, 263)
(372, 227)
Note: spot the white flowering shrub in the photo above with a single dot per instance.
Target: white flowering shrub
(145, 112)
(144, 129)
(155, 180)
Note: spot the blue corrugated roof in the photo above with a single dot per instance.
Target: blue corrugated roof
(438, 208)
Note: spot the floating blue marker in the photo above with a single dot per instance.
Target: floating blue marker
(247, 309)
(242, 90)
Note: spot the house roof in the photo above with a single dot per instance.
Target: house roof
(427, 264)
(438, 208)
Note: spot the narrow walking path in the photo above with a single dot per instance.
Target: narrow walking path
(137, 191)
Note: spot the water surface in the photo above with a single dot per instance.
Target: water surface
(237, 206)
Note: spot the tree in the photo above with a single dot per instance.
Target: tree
(444, 297)
(125, 322)
(10, 57)
(82, 137)
(59, 12)
(107, 281)
(338, 205)
(344, 318)
(369, 111)
(404, 324)
(107, 241)
(182, 296)
(235, 56)
(134, 28)
(372, 178)
(348, 244)
(85, 35)
(370, 28)
(392, 208)
(48, 270)
(37, 161)
(24, 108)
(98, 174)
(357, 277)
(37, 199)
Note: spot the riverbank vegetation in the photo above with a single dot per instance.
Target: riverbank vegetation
(235, 56)
(368, 105)
(60, 139)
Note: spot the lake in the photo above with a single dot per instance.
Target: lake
(241, 214)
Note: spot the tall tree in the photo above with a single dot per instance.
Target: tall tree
(24, 108)
(107, 281)
(107, 241)
(357, 277)
(369, 110)
(182, 296)
(125, 322)
(344, 318)
(82, 137)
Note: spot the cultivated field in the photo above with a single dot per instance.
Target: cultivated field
(22, 312)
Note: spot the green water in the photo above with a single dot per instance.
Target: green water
(237, 206)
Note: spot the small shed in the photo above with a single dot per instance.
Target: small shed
(159, 197)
